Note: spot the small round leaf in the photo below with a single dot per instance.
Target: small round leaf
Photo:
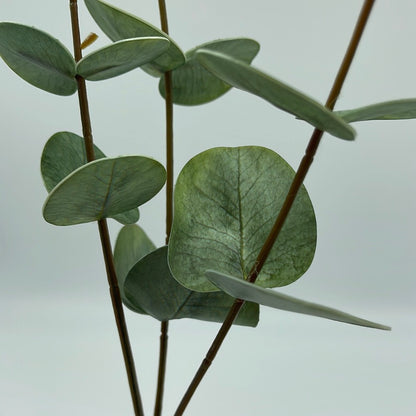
(38, 58)
(226, 202)
(120, 57)
(240, 75)
(192, 84)
(118, 25)
(151, 287)
(103, 188)
(65, 152)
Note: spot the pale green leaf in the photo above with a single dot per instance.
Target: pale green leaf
(226, 202)
(388, 110)
(103, 188)
(63, 153)
(118, 24)
(150, 286)
(121, 57)
(38, 58)
(192, 84)
(241, 75)
(244, 290)
(131, 245)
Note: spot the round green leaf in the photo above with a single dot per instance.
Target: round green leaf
(63, 153)
(118, 25)
(192, 84)
(226, 201)
(150, 286)
(120, 57)
(388, 110)
(38, 58)
(241, 289)
(131, 245)
(103, 188)
(243, 76)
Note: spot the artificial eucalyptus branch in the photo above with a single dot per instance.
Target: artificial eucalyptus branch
(103, 228)
(164, 326)
(284, 212)
(224, 248)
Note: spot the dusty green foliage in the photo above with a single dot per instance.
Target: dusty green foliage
(118, 24)
(38, 58)
(241, 75)
(103, 188)
(121, 57)
(192, 84)
(226, 199)
(388, 110)
(247, 291)
(150, 286)
(65, 152)
(224, 211)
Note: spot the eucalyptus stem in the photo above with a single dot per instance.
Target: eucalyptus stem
(164, 326)
(280, 220)
(103, 228)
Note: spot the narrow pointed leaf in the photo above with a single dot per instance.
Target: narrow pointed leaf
(389, 110)
(131, 245)
(65, 152)
(118, 25)
(38, 58)
(241, 75)
(226, 201)
(103, 188)
(192, 84)
(120, 57)
(150, 286)
(244, 290)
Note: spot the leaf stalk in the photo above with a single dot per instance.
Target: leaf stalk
(164, 327)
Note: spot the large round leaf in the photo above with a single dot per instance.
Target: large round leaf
(243, 76)
(150, 286)
(120, 57)
(131, 245)
(244, 290)
(63, 153)
(226, 201)
(38, 58)
(118, 25)
(388, 110)
(103, 188)
(192, 84)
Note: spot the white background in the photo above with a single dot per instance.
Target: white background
(59, 351)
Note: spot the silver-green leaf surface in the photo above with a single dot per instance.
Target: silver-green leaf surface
(151, 287)
(38, 58)
(65, 152)
(118, 24)
(131, 245)
(388, 110)
(226, 201)
(121, 57)
(192, 84)
(103, 188)
(244, 290)
(241, 75)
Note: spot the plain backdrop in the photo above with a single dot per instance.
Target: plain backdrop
(59, 351)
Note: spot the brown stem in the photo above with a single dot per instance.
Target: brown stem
(169, 211)
(103, 229)
(295, 186)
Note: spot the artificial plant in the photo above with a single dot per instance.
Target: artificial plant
(238, 216)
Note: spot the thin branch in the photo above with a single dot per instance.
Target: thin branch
(169, 212)
(103, 229)
(296, 184)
